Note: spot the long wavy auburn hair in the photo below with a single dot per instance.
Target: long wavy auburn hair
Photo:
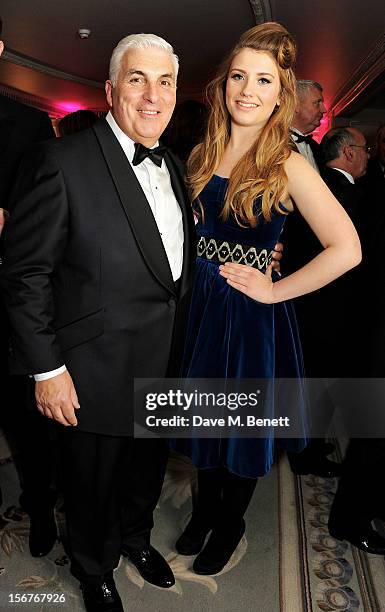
(261, 170)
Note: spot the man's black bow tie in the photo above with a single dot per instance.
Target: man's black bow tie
(301, 138)
(141, 152)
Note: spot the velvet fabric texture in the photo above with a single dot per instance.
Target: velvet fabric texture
(233, 336)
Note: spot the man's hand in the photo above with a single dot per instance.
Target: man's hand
(56, 399)
(278, 250)
(3, 217)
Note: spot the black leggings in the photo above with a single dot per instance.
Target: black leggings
(223, 497)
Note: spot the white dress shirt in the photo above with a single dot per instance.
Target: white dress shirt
(305, 149)
(156, 185)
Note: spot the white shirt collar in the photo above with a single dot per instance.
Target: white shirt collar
(295, 131)
(127, 144)
(347, 174)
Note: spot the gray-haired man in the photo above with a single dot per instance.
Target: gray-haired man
(94, 301)
(307, 118)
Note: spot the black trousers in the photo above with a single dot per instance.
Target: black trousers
(111, 487)
(360, 495)
(32, 441)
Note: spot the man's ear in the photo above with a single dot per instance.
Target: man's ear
(1, 47)
(348, 152)
(108, 90)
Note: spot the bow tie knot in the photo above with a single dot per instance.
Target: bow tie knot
(141, 152)
(301, 138)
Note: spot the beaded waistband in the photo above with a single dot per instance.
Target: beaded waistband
(221, 251)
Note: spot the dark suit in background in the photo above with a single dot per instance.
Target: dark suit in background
(20, 126)
(373, 223)
(340, 302)
(28, 433)
(360, 495)
(301, 245)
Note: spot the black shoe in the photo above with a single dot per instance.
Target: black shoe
(365, 538)
(151, 566)
(102, 598)
(192, 539)
(42, 532)
(318, 467)
(218, 550)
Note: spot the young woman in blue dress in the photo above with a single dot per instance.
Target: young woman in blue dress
(245, 178)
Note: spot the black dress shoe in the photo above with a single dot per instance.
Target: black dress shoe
(151, 566)
(42, 532)
(192, 539)
(322, 466)
(218, 550)
(365, 538)
(103, 597)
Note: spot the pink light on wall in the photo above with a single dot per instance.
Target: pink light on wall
(68, 107)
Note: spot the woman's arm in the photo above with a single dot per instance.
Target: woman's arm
(331, 225)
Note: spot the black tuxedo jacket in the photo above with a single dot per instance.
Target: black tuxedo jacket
(373, 217)
(373, 234)
(348, 194)
(86, 276)
(20, 126)
(327, 316)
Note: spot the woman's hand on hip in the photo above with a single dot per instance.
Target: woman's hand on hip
(250, 281)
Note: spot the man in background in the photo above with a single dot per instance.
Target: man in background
(350, 351)
(307, 118)
(346, 156)
(300, 246)
(27, 432)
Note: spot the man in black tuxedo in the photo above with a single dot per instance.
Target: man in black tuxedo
(301, 244)
(307, 117)
(346, 156)
(20, 127)
(345, 153)
(98, 294)
(359, 498)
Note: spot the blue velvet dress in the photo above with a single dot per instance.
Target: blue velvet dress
(233, 336)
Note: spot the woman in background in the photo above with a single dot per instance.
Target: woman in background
(243, 179)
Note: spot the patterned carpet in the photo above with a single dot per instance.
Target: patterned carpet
(286, 562)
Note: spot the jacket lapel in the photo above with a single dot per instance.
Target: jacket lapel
(135, 206)
(189, 233)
